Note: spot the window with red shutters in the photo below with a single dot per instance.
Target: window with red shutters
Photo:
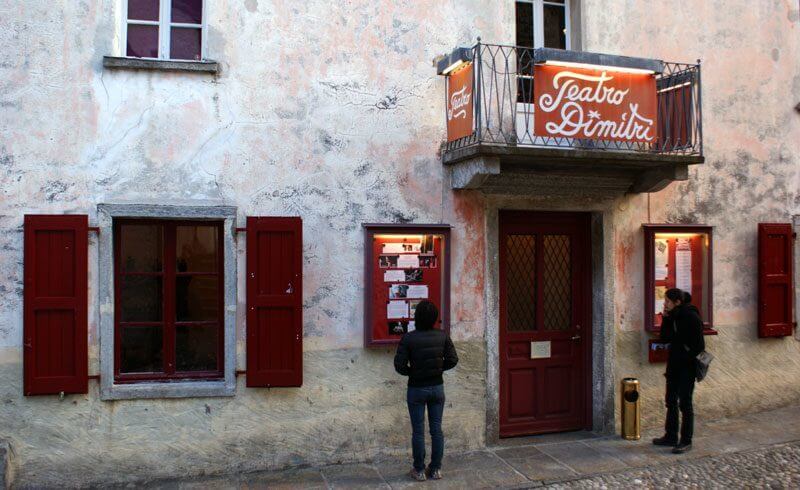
(274, 302)
(55, 309)
(775, 281)
(168, 300)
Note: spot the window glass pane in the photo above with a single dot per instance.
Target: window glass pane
(197, 248)
(187, 11)
(141, 298)
(524, 13)
(196, 347)
(521, 283)
(143, 10)
(196, 298)
(142, 247)
(557, 282)
(185, 43)
(141, 350)
(142, 41)
(554, 27)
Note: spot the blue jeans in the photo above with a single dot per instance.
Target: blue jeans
(418, 399)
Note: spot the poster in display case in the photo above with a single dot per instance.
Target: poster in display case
(678, 256)
(403, 265)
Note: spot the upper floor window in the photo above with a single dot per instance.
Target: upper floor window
(543, 24)
(164, 29)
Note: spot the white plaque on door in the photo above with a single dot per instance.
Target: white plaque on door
(540, 350)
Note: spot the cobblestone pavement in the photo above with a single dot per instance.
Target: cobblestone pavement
(771, 467)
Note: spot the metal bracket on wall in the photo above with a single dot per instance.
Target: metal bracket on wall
(94, 229)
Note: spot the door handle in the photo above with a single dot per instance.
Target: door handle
(575, 337)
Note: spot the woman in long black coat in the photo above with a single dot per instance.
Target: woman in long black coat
(682, 328)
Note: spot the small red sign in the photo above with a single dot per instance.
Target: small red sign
(594, 104)
(459, 104)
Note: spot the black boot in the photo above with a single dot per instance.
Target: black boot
(682, 448)
(665, 441)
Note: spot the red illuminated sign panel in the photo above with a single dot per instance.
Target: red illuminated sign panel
(594, 104)
(459, 104)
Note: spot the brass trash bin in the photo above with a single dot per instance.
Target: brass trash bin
(630, 409)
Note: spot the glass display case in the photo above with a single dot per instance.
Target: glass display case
(404, 264)
(678, 256)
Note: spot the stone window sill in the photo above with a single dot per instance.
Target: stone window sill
(122, 62)
(187, 389)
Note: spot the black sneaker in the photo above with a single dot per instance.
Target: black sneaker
(665, 441)
(433, 474)
(682, 448)
(417, 475)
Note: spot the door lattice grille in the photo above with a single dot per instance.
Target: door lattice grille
(557, 291)
(521, 283)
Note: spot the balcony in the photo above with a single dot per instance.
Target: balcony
(603, 140)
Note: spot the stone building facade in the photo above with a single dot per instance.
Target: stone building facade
(333, 112)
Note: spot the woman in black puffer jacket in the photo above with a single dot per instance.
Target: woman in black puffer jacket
(682, 328)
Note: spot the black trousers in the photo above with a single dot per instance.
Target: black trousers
(680, 389)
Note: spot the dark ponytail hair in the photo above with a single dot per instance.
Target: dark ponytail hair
(676, 294)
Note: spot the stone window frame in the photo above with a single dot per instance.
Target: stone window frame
(109, 390)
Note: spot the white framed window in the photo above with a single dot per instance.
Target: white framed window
(164, 29)
(543, 24)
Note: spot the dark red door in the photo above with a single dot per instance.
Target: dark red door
(545, 322)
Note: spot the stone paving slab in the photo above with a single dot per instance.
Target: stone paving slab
(479, 469)
(353, 476)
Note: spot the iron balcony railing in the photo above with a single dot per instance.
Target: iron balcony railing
(503, 111)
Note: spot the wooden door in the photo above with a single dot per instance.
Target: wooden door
(545, 329)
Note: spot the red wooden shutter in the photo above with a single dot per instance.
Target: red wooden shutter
(55, 318)
(775, 285)
(274, 302)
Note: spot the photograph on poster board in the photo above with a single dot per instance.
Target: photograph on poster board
(427, 262)
(408, 261)
(659, 303)
(417, 291)
(398, 328)
(413, 275)
(398, 291)
(412, 307)
(411, 247)
(397, 309)
(386, 261)
(394, 276)
(427, 244)
(411, 326)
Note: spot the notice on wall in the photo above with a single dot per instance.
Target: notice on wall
(397, 309)
(408, 261)
(394, 276)
(392, 248)
(540, 350)
(683, 265)
(417, 291)
(661, 258)
(412, 326)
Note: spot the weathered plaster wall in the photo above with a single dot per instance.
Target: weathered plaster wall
(751, 83)
(327, 110)
(332, 111)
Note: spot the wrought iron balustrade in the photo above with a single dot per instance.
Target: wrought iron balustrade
(504, 109)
